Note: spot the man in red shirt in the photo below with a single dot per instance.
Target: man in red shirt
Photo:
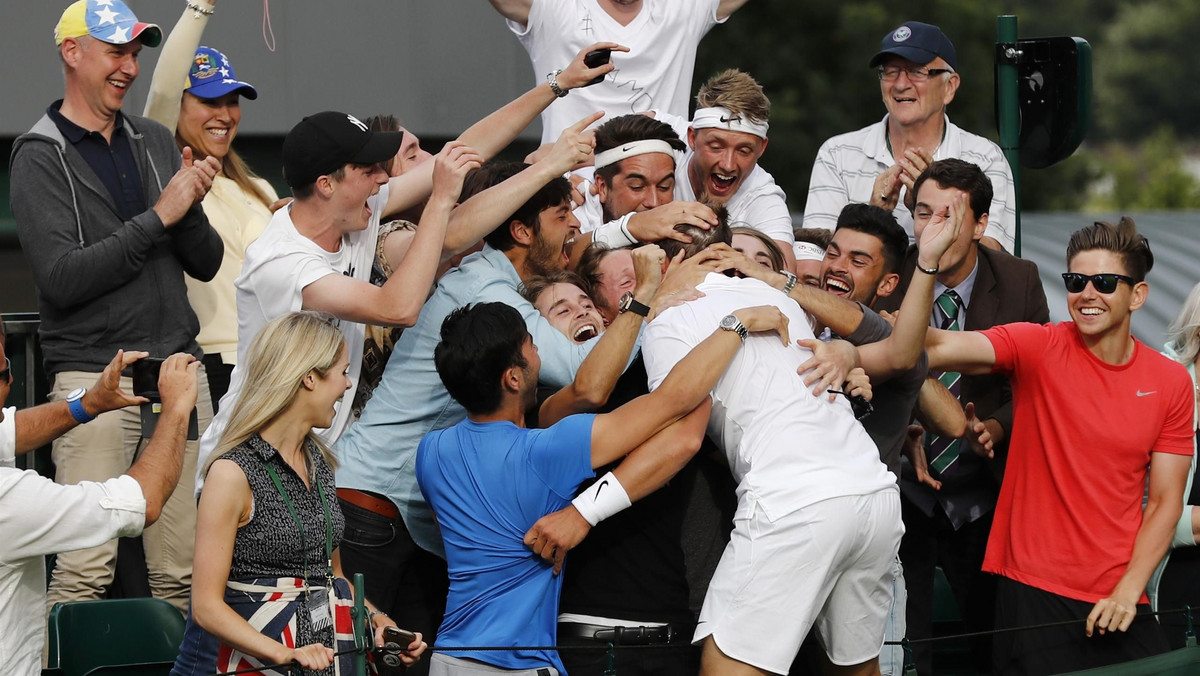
(1095, 411)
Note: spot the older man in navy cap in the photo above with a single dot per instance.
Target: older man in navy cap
(918, 78)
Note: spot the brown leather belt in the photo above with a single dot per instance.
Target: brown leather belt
(370, 502)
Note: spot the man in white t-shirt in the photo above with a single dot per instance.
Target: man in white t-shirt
(662, 36)
(878, 164)
(316, 254)
(725, 138)
(818, 520)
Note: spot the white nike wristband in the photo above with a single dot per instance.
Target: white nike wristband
(602, 499)
(615, 234)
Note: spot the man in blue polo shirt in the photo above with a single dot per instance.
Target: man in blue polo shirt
(488, 479)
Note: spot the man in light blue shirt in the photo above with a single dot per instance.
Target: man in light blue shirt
(390, 529)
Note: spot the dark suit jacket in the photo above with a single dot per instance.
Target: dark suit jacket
(1007, 289)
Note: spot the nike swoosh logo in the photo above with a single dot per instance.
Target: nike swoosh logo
(600, 486)
(1146, 394)
(727, 120)
(625, 149)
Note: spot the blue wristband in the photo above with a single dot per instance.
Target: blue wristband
(78, 412)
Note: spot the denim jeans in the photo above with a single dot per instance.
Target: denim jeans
(403, 580)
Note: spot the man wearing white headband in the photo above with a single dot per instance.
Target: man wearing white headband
(918, 78)
(726, 137)
(635, 183)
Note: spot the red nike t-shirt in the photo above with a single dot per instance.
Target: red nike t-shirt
(1082, 434)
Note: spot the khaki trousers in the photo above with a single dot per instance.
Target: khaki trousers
(103, 449)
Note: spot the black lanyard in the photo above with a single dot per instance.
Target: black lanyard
(300, 524)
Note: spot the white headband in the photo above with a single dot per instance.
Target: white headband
(721, 118)
(614, 155)
(807, 251)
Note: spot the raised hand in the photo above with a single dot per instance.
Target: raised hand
(574, 146)
(941, 232)
(107, 394)
(186, 188)
(648, 262)
(659, 222)
(915, 161)
(451, 166)
(177, 384)
(577, 74)
(886, 191)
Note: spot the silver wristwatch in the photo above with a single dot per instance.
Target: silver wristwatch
(732, 323)
(552, 80)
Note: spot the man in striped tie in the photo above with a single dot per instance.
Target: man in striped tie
(947, 509)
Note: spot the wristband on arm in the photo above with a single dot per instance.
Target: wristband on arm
(602, 499)
(615, 233)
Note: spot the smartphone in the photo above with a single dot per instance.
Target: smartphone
(145, 378)
(401, 638)
(145, 384)
(594, 59)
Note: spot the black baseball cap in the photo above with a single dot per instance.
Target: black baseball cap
(918, 42)
(320, 144)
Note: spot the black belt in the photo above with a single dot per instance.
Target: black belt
(620, 635)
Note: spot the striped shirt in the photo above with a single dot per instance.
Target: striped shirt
(847, 165)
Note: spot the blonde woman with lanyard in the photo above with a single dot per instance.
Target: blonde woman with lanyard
(195, 93)
(269, 520)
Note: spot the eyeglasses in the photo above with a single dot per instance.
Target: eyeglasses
(915, 73)
(6, 374)
(858, 404)
(1104, 283)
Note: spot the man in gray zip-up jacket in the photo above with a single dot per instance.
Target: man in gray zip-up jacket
(109, 220)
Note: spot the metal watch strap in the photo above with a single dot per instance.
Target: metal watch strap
(552, 80)
(790, 283)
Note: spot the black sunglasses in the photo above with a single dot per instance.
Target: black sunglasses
(6, 374)
(1104, 283)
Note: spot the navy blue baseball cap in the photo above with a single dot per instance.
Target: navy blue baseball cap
(212, 77)
(918, 42)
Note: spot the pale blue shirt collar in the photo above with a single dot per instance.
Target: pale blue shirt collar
(964, 289)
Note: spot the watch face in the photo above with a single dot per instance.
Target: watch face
(728, 322)
(76, 394)
(623, 303)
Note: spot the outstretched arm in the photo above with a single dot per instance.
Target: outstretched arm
(398, 302)
(516, 11)
(598, 374)
(491, 135)
(174, 62)
(38, 426)
(617, 433)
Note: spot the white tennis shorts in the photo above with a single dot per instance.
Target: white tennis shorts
(829, 564)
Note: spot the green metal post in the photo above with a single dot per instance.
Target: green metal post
(1010, 120)
(363, 636)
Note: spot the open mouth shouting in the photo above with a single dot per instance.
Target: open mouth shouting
(837, 285)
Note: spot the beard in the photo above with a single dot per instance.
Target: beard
(544, 258)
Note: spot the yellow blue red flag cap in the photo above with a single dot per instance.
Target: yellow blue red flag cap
(109, 21)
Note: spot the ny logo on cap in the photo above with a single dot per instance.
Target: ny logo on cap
(356, 122)
(902, 33)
